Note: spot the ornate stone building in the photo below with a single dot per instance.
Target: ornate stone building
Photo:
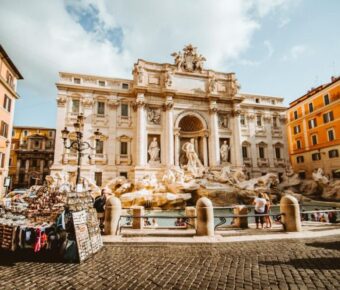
(9, 76)
(32, 152)
(147, 120)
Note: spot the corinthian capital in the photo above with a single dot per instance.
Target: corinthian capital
(169, 103)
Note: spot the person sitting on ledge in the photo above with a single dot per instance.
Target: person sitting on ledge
(332, 216)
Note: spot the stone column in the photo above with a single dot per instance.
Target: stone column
(169, 131)
(113, 209)
(205, 217)
(141, 139)
(238, 162)
(18, 170)
(27, 166)
(137, 221)
(191, 213)
(214, 146)
(205, 149)
(290, 210)
(177, 147)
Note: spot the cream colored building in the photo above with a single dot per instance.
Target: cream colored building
(9, 75)
(146, 121)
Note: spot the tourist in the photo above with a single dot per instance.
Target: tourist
(154, 222)
(178, 222)
(147, 222)
(267, 218)
(332, 216)
(315, 215)
(99, 205)
(304, 216)
(260, 204)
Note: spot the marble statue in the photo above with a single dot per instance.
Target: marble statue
(224, 150)
(319, 177)
(154, 116)
(178, 59)
(154, 150)
(223, 121)
(189, 60)
(212, 84)
(194, 165)
(168, 79)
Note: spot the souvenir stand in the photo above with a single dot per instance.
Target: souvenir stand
(49, 220)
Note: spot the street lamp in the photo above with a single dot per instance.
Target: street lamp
(78, 144)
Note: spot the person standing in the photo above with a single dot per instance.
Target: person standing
(267, 218)
(260, 204)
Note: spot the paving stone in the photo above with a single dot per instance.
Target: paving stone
(285, 264)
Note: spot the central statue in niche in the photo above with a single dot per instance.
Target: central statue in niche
(194, 165)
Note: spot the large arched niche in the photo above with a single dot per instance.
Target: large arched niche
(191, 125)
(190, 122)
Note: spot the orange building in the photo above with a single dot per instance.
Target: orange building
(9, 75)
(314, 130)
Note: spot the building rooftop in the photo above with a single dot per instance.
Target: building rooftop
(10, 62)
(313, 91)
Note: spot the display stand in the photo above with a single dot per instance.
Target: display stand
(86, 224)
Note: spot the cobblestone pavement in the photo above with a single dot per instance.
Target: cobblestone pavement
(286, 264)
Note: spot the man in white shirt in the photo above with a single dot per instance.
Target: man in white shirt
(260, 206)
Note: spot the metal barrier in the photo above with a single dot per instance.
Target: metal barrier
(223, 219)
(186, 220)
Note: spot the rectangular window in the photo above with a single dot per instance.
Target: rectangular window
(2, 159)
(326, 99)
(296, 115)
(302, 175)
(101, 83)
(242, 119)
(311, 107)
(261, 152)
(76, 80)
(259, 120)
(314, 139)
(36, 144)
(125, 86)
(333, 153)
(34, 163)
(7, 103)
(4, 129)
(316, 156)
(75, 106)
(125, 174)
(99, 147)
(300, 159)
(328, 117)
(101, 108)
(124, 110)
(278, 153)
(9, 79)
(297, 129)
(298, 144)
(123, 148)
(98, 178)
(275, 122)
(331, 135)
(312, 123)
(244, 152)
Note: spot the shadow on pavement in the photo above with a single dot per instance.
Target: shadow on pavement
(308, 263)
(9, 259)
(325, 245)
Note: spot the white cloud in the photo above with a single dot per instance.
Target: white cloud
(296, 52)
(43, 38)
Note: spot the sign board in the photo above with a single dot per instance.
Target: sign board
(82, 235)
(89, 240)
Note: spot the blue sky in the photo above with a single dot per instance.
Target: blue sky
(276, 47)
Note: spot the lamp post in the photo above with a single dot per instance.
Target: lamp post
(78, 144)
